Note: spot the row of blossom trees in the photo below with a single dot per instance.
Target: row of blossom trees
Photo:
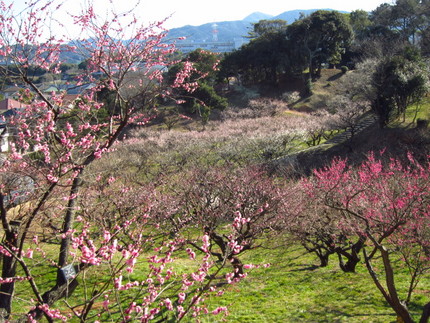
(378, 212)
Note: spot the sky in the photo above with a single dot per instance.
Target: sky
(197, 12)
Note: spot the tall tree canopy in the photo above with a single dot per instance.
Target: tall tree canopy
(409, 19)
(263, 59)
(399, 81)
(203, 98)
(321, 38)
(267, 27)
(277, 49)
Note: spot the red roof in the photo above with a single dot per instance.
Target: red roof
(8, 104)
(69, 98)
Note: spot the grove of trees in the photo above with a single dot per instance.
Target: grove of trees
(395, 35)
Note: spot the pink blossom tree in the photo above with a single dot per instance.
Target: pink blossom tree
(45, 177)
(235, 208)
(387, 203)
(316, 227)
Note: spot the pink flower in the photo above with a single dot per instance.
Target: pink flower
(106, 304)
(51, 178)
(219, 310)
(168, 304)
(181, 298)
(29, 253)
(118, 282)
(106, 236)
(206, 243)
(191, 253)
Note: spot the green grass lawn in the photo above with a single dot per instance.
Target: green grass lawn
(413, 113)
(293, 289)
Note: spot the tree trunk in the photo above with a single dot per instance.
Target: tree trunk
(353, 258)
(53, 295)
(390, 292)
(69, 220)
(63, 288)
(426, 314)
(323, 257)
(322, 253)
(238, 267)
(8, 271)
(399, 307)
(349, 266)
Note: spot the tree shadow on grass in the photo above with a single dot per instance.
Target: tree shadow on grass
(306, 267)
(335, 77)
(346, 317)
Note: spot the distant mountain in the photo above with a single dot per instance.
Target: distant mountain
(293, 15)
(225, 31)
(232, 30)
(257, 16)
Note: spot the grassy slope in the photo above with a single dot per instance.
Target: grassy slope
(323, 90)
(400, 137)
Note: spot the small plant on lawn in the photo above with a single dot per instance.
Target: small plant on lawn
(291, 97)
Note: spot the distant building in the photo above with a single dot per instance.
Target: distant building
(8, 108)
(79, 89)
(4, 137)
(69, 99)
(213, 46)
(10, 104)
(48, 89)
(12, 92)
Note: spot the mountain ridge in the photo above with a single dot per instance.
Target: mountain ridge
(226, 31)
(233, 33)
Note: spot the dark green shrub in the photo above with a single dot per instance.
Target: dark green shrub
(422, 123)
(308, 87)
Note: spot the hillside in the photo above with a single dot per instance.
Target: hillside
(327, 86)
(267, 130)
